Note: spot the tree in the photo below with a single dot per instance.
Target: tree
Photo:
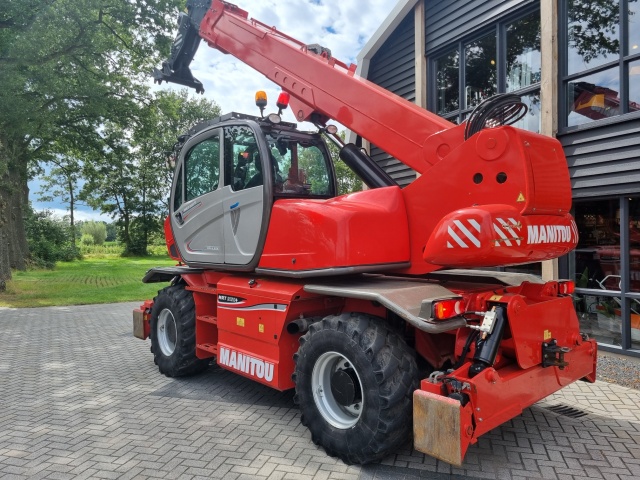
(129, 178)
(67, 67)
(48, 238)
(348, 181)
(62, 182)
(96, 230)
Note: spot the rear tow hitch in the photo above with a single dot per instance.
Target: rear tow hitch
(553, 355)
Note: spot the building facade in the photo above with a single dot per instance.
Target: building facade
(576, 65)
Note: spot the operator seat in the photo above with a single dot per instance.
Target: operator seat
(257, 178)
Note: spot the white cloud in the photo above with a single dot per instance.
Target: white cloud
(79, 215)
(343, 26)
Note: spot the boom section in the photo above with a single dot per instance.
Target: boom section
(321, 86)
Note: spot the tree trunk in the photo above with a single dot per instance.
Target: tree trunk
(71, 208)
(13, 240)
(14, 195)
(5, 268)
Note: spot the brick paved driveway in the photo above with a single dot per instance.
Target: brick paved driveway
(81, 398)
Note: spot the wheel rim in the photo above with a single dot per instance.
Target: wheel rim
(330, 365)
(167, 332)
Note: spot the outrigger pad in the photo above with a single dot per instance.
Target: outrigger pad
(437, 427)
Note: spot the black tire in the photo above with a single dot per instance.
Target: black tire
(344, 351)
(173, 333)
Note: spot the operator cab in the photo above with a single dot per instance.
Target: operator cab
(228, 173)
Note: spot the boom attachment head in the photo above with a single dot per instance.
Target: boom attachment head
(176, 68)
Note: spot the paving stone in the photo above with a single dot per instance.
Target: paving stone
(93, 405)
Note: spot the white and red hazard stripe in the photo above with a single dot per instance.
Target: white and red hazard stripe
(508, 230)
(464, 233)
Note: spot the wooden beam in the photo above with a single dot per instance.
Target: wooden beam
(549, 91)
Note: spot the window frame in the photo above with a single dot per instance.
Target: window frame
(622, 63)
(184, 165)
(625, 294)
(499, 27)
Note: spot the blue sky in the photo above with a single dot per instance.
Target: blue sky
(343, 26)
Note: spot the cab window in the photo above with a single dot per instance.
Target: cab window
(302, 165)
(202, 168)
(177, 194)
(243, 166)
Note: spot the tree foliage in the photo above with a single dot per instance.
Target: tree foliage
(129, 179)
(96, 230)
(49, 238)
(348, 181)
(66, 68)
(62, 182)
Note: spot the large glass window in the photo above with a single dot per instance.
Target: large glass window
(202, 168)
(447, 82)
(243, 167)
(474, 69)
(593, 97)
(593, 34)
(480, 70)
(607, 270)
(300, 166)
(523, 52)
(601, 71)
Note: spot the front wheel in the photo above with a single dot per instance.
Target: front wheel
(173, 333)
(354, 384)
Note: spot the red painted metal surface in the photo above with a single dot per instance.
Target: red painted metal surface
(491, 235)
(323, 85)
(497, 185)
(501, 197)
(241, 320)
(362, 228)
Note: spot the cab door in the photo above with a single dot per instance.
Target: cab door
(245, 207)
(197, 203)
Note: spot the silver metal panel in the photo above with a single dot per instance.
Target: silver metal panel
(507, 278)
(243, 212)
(329, 272)
(402, 296)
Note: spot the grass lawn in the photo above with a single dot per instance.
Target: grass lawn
(96, 279)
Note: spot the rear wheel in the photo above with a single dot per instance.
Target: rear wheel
(354, 384)
(173, 333)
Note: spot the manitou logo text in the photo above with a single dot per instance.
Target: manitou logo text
(550, 234)
(246, 364)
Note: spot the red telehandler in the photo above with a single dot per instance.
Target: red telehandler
(369, 304)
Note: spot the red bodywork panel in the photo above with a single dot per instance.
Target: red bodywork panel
(241, 320)
(501, 197)
(340, 232)
(487, 200)
(523, 173)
